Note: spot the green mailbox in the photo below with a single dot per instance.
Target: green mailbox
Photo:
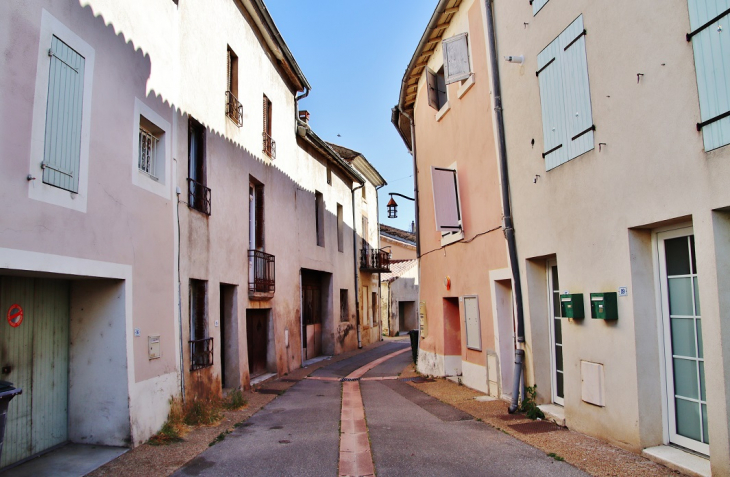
(571, 306)
(604, 306)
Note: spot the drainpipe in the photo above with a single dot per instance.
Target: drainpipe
(296, 107)
(509, 231)
(380, 298)
(354, 252)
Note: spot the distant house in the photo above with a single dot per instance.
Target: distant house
(399, 297)
(402, 244)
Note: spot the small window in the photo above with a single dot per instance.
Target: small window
(364, 193)
(319, 217)
(269, 143)
(456, 58)
(198, 192)
(329, 175)
(234, 109)
(151, 154)
(437, 92)
(256, 215)
(340, 229)
(344, 306)
(201, 346)
(364, 235)
(374, 304)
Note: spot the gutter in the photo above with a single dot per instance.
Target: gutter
(509, 231)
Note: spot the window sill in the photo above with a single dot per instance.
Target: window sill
(465, 86)
(679, 460)
(450, 238)
(442, 112)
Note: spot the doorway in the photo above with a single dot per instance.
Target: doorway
(407, 319)
(311, 314)
(556, 334)
(257, 338)
(684, 355)
(230, 370)
(452, 337)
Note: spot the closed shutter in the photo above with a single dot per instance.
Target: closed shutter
(62, 151)
(446, 199)
(537, 5)
(432, 87)
(456, 58)
(259, 217)
(565, 97)
(710, 36)
(473, 326)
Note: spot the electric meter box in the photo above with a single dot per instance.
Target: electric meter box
(571, 306)
(604, 306)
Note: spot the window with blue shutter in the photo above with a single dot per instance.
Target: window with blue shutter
(567, 120)
(62, 144)
(710, 37)
(537, 5)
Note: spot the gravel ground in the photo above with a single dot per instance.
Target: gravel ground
(158, 461)
(586, 453)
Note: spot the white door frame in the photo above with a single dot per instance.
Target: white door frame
(666, 343)
(553, 365)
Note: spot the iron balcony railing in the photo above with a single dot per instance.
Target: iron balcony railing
(198, 197)
(201, 353)
(269, 146)
(234, 109)
(263, 276)
(374, 260)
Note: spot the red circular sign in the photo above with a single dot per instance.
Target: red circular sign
(15, 315)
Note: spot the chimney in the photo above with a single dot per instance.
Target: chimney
(304, 116)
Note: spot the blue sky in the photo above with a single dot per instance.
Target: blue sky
(354, 54)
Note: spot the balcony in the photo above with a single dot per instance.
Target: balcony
(269, 146)
(261, 275)
(198, 197)
(201, 353)
(374, 261)
(234, 109)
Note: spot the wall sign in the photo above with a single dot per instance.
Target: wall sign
(15, 315)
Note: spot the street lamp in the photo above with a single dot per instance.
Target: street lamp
(393, 206)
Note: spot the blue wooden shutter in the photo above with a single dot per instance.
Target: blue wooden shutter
(579, 119)
(711, 46)
(62, 152)
(537, 5)
(553, 105)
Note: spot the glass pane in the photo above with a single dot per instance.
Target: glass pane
(559, 358)
(680, 296)
(699, 338)
(705, 434)
(688, 419)
(559, 384)
(697, 298)
(685, 378)
(677, 255)
(702, 381)
(692, 248)
(683, 337)
(556, 305)
(558, 331)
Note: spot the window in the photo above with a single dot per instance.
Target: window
(344, 306)
(710, 36)
(567, 121)
(456, 58)
(62, 144)
(364, 193)
(374, 305)
(234, 109)
(364, 235)
(269, 144)
(447, 206)
(198, 192)
(319, 217)
(151, 153)
(201, 346)
(437, 96)
(472, 323)
(340, 229)
(329, 175)
(537, 5)
(256, 215)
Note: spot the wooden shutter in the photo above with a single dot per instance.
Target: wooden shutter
(710, 36)
(537, 5)
(472, 322)
(259, 202)
(456, 58)
(62, 147)
(446, 199)
(228, 70)
(432, 87)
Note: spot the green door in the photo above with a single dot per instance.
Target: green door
(34, 357)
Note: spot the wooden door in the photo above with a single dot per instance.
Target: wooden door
(257, 336)
(312, 315)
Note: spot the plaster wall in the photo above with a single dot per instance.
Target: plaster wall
(403, 288)
(650, 171)
(398, 250)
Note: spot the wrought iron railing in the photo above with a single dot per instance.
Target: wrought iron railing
(201, 353)
(269, 146)
(263, 276)
(234, 109)
(198, 197)
(374, 260)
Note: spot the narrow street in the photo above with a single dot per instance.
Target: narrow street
(410, 433)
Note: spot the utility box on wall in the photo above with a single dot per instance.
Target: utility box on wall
(571, 306)
(604, 306)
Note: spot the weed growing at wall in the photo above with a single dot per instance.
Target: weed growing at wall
(528, 405)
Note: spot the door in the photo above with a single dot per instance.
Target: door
(556, 334)
(684, 357)
(401, 316)
(34, 357)
(311, 314)
(257, 338)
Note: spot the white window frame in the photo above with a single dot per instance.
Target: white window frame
(161, 185)
(551, 332)
(37, 190)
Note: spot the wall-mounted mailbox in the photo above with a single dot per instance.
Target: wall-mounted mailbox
(154, 346)
(571, 306)
(603, 306)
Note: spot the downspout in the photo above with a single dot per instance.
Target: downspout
(179, 291)
(354, 253)
(380, 298)
(509, 231)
